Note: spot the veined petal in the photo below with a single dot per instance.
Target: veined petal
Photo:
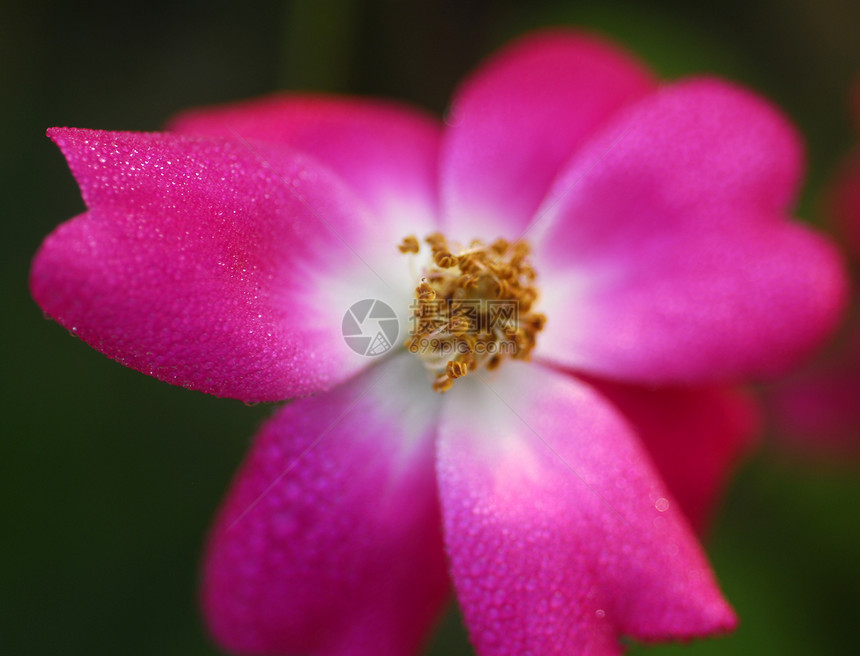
(695, 436)
(561, 535)
(665, 252)
(216, 265)
(519, 118)
(387, 153)
(329, 542)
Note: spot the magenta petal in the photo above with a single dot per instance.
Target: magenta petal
(820, 411)
(817, 407)
(667, 252)
(385, 152)
(205, 263)
(561, 535)
(329, 542)
(519, 117)
(694, 435)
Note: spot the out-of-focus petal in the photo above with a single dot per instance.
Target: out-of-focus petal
(329, 542)
(695, 436)
(519, 118)
(385, 152)
(818, 407)
(562, 537)
(845, 203)
(210, 264)
(665, 254)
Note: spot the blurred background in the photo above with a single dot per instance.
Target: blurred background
(108, 478)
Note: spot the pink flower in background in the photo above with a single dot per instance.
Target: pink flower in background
(819, 406)
(222, 256)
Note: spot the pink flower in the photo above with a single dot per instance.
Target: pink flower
(222, 255)
(818, 405)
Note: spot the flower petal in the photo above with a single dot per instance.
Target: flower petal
(215, 265)
(820, 412)
(816, 407)
(561, 536)
(844, 203)
(694, 435)
(665, 253)
(329, 541)
(519, 117)
(387, 153)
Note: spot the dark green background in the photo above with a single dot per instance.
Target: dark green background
(108, 478)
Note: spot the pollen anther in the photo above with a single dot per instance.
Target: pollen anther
(472, 307)
(409, 244)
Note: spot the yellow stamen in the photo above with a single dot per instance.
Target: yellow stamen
(425, 292)
(456, 369)
(442, 383)
(444, 259)
(409, 244)
(473, 307)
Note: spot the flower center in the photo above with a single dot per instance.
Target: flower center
(472, 307)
